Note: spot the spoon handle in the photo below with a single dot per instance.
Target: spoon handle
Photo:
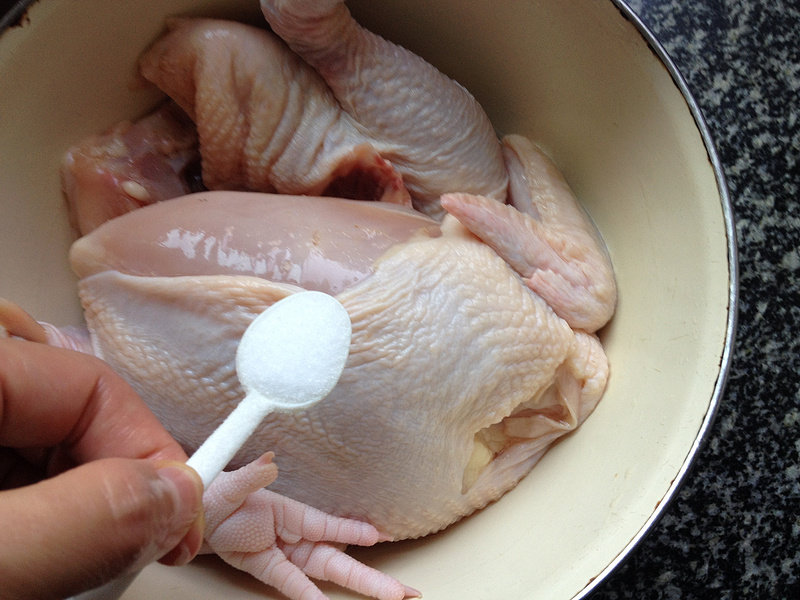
(219, 448)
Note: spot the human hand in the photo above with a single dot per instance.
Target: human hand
(91, 485)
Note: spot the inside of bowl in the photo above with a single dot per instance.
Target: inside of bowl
(574, 76)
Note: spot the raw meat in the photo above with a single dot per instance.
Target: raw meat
(267, 121)
(130, 166)
(468, 424)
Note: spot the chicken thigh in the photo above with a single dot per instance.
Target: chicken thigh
(433, 130)
(382, 125)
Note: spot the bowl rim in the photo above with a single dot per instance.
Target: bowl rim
(15, 15)
(733, 296)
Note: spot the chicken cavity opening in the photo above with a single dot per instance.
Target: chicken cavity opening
(543, 417)
(364, 175)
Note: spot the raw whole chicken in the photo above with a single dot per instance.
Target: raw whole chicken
(415, 435)
(404, 393)
(474, 287)
(468, 424)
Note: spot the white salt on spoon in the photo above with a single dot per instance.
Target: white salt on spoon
(289, 358)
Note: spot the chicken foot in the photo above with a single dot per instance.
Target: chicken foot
(284, 543)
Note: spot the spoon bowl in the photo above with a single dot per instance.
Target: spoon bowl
(293, 353)
(289, 358)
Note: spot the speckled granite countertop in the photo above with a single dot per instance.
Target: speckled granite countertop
(733, 531)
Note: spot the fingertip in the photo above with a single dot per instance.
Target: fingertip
(188, 491)
(186, 480)
(122, 515)
(188, 547)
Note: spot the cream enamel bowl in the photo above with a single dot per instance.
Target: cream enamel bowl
(588, 82)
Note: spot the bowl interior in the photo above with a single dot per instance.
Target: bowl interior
(576, 77)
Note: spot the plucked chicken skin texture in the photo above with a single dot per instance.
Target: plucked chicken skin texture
(268, 120)
(416, 434)
(331, 159)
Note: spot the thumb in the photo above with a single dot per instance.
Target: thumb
(95, 522)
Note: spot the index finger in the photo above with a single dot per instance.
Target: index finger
(50, 396)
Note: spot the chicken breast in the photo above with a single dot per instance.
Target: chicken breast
(415, 435)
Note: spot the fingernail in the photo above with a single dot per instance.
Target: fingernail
(185, 486)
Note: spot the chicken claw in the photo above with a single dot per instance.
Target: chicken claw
(283, 542)
(16, 322)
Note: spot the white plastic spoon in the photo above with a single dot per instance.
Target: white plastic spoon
(290, 357)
